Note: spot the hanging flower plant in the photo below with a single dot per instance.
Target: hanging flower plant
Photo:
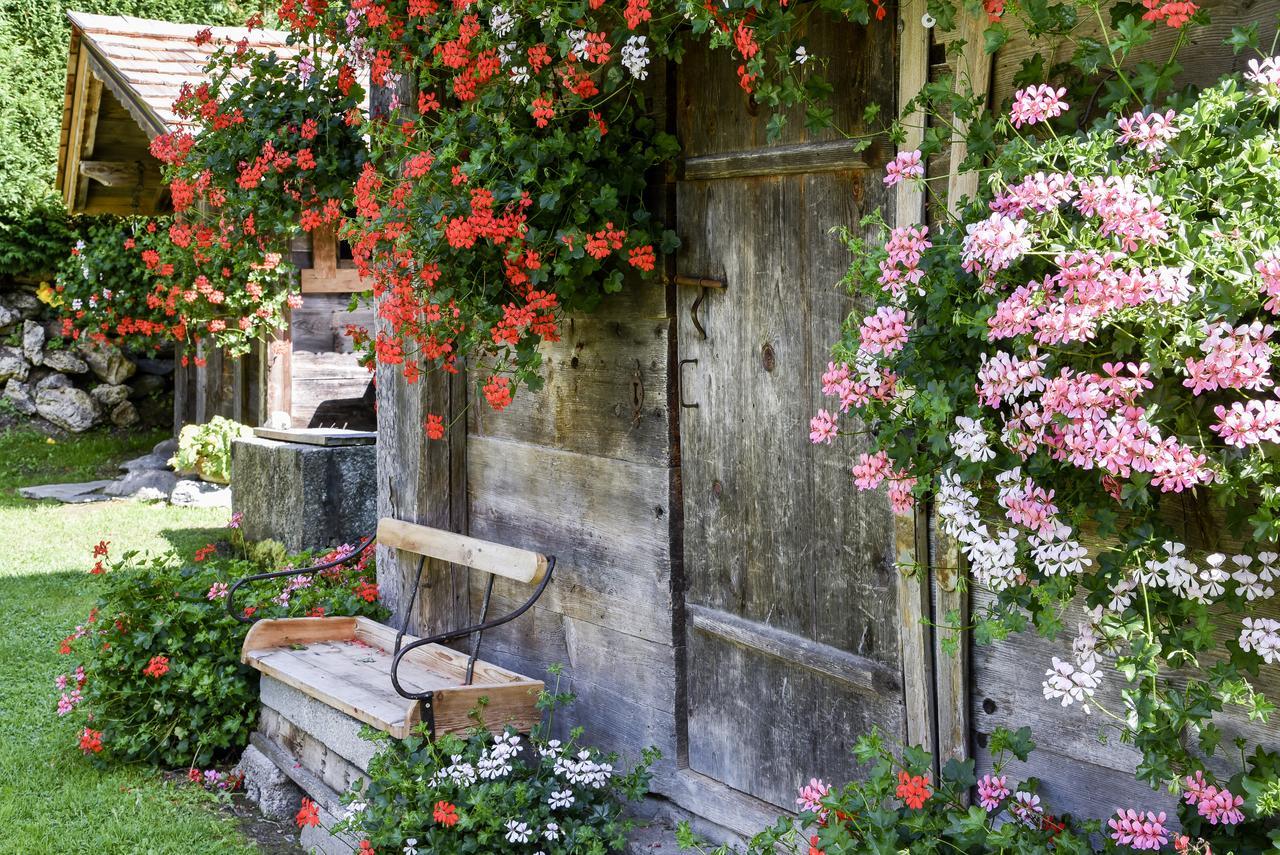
(510, 189)
(1086, 352)
(276, 147)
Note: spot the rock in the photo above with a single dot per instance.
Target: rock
(13, 364)
(8, 317)
(199, 494)
(108, 362)
(155, 481)
(33, 342)
(74, 494)
(166, 448)
(145, 385)
(68, 408)
(64, 361)
(18, 394)
(305, 496)
(124, 414)
(154, 367)
(145, 463)
(110, 396)
(54, 381)
(27, 305)
(274, 792)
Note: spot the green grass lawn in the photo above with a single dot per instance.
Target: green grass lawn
(51, 798)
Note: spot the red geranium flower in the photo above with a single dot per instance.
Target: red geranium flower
(445, 814)
(913, 789)
(157, 667)
(91, 741)
(309, 814)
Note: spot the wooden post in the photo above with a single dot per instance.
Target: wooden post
(911, 529)
(419, 480)
(276, 408)
(950, 593)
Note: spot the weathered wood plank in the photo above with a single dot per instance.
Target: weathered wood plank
(519, 565)
(606, 386)
(604, 520)
(827, 156)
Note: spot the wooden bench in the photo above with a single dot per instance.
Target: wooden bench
(394, 681)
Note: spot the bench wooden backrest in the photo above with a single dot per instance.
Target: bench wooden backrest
(521, 565)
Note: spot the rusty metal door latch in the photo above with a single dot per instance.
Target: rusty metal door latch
(704, 284)
(683, 363)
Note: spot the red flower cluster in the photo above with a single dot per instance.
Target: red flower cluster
(205, 551)
(913, 789)
(446, 814)
(157, 667)
(366, 590)
(309, 814)
(91, 741)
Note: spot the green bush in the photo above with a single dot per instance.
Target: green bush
(481, 793)
(206, 449)
(159, 677)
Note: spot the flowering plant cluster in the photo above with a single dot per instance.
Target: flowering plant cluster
(273, 150)
(506, 187)
(899, 807)
(105, 291)
(205, 449)
(490, 792)
(1077, 372)
(156, 672)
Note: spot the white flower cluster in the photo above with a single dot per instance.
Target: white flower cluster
(578, 43)
(457, 772)
(501, 21)
(583, 771)
(1262, 636)
(1206, 583)
(1056, 553)
(495, 762)
(969, 441)
(560, 799)
(1076, 682)
(635, 57)
(992, 557)
(518, 832)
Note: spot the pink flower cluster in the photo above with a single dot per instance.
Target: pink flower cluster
(811, 796)
(1218, 806)
(1092, 421)
(885, 332)
(993, 244)
(838, 382)
(822, 428)
(905, 248)
(1068, 305)
(872, 470)
(1039, 193)
(905, 166)
(1237, 358)
(1248, 423)
(1036, 104)
(1026, 503)
(1125, 211)
(1268, 267)
(1148, 132)
(70, 700)
(1139, 830)
(991, 791)
(217, 591)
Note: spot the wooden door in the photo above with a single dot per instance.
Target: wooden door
(791, 600)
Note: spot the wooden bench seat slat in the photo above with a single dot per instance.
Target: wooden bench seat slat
(346, 663)
(522, 565)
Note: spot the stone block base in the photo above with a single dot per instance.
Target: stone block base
(304, 496)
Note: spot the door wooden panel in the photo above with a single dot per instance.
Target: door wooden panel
(792, 624)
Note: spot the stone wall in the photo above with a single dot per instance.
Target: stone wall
(73, 385)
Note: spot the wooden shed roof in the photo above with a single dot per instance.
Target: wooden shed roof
(142, 65)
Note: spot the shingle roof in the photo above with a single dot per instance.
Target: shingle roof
(145, 63)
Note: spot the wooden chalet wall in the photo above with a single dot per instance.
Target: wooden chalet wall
(1002, 682)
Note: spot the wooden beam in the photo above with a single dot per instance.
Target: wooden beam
(341, 280)
(972, 76)
(521, 565)
(71, 176)
(114, 173)
(92, 107)
(910, 529)
(276, 408)
(834, 156)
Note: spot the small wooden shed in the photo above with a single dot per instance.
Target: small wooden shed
(123, 75)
